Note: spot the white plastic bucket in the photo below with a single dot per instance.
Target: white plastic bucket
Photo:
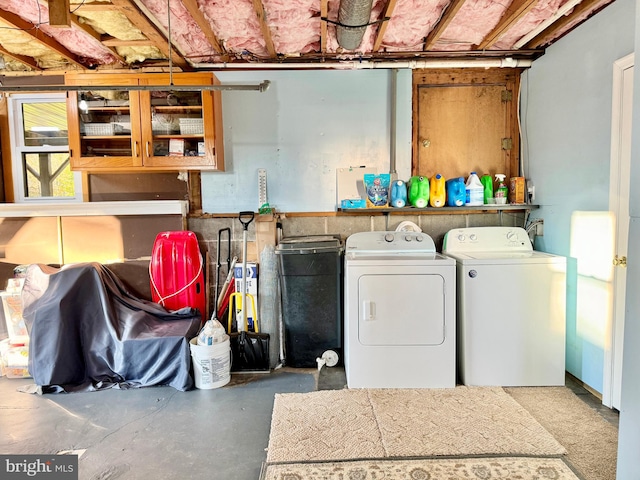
(211, 363)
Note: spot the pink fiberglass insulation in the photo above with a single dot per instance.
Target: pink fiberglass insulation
(542, 10)
(577, 20)
(186, 35)
(73, 38)
(411, 21)
(236, 25)
(474, 21)
(294, 25)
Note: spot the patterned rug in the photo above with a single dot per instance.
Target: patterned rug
(521, 468)
(334, 425)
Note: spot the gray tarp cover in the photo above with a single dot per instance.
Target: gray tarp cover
(88, 333)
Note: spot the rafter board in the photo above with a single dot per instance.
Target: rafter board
(517, 10)
(266, 33)
(40, 36)
(442, 25)
(59, 13)
(195, 12)
(28, 61)
(388, 11)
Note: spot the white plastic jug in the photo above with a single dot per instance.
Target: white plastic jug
(475, 190)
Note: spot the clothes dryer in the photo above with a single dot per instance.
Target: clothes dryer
(399, 312)
(511, 308)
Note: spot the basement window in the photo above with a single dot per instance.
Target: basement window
(40, 152)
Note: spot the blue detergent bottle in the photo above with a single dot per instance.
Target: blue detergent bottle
(456, 192)
(398, 194)
(418, 191)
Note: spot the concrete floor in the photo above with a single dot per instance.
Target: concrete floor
(163, 433)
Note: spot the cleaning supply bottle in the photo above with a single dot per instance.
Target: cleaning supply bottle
(455, 192)
(437, 192)
(398, 194)
(487, 183)
(502, 191)
(474, 191)
(418, 191)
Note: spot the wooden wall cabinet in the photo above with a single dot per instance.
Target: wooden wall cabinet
(466, 120)
(144, 130)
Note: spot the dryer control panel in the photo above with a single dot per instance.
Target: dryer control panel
(388, 242)
(486, 239)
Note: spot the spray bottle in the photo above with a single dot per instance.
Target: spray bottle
(502, 192)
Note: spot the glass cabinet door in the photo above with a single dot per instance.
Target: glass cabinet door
(105, 124)
(177, 124)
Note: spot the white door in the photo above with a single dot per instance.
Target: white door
(619, 206)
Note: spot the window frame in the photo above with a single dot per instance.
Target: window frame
(18, 148)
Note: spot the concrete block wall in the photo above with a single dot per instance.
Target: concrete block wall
(207, 229)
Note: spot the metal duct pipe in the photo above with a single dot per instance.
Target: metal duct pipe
(353, 17)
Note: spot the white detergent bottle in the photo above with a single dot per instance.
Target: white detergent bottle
(474, 190)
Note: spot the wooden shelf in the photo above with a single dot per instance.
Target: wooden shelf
(437, 210)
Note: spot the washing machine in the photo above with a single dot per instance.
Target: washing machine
(511, 308)
(399, 312)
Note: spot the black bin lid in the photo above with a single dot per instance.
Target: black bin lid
(309, 244)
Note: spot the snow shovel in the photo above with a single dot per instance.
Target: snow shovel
(250, 349)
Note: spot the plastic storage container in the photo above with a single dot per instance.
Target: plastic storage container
(310, 269)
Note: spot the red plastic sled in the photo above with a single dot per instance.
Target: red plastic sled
(176, 272)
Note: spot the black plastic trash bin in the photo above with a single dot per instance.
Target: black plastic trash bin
(310, 270)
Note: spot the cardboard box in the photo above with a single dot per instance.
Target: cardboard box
(252, 288)
(516, 190)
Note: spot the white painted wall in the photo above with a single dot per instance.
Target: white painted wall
(566, 126)
(304, 127)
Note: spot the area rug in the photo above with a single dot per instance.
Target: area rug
(591, 441)
(521, 468)
(387, 423)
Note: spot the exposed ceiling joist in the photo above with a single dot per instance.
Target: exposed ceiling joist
(324, 10)
(59, 13)
(442, 25)
(517, 10)
(91, 32)
(115, 42)
(562, 23)
(39, 36)
(388, 11)
(94, 7)
(264, 27)
(194, 10)
(142, 23)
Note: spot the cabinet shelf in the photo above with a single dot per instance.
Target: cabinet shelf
(436, 210)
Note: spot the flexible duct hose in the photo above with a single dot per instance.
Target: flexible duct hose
(356, 13)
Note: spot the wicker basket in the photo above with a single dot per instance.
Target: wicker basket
(101, 129)
(191, 126)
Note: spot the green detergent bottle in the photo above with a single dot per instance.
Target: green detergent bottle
(418, 191)
(487, 182)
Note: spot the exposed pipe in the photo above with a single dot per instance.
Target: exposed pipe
(262, 87)
(370, 65)
(353, 19)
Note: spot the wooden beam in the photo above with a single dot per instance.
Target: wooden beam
(39, 36)
(59, 13)
(517, 10)
(142, 23)
(436, 32)
(96, 36)
(203, 23)
(266, 33)
(324, 10)
(552, 30)
(116, 42)
(388, 11)
(28, 61)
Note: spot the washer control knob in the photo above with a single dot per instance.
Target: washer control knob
(419, 238)
(408, 238)
(461, 238)
(512, 236)
(473, 237)
(388, 237)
